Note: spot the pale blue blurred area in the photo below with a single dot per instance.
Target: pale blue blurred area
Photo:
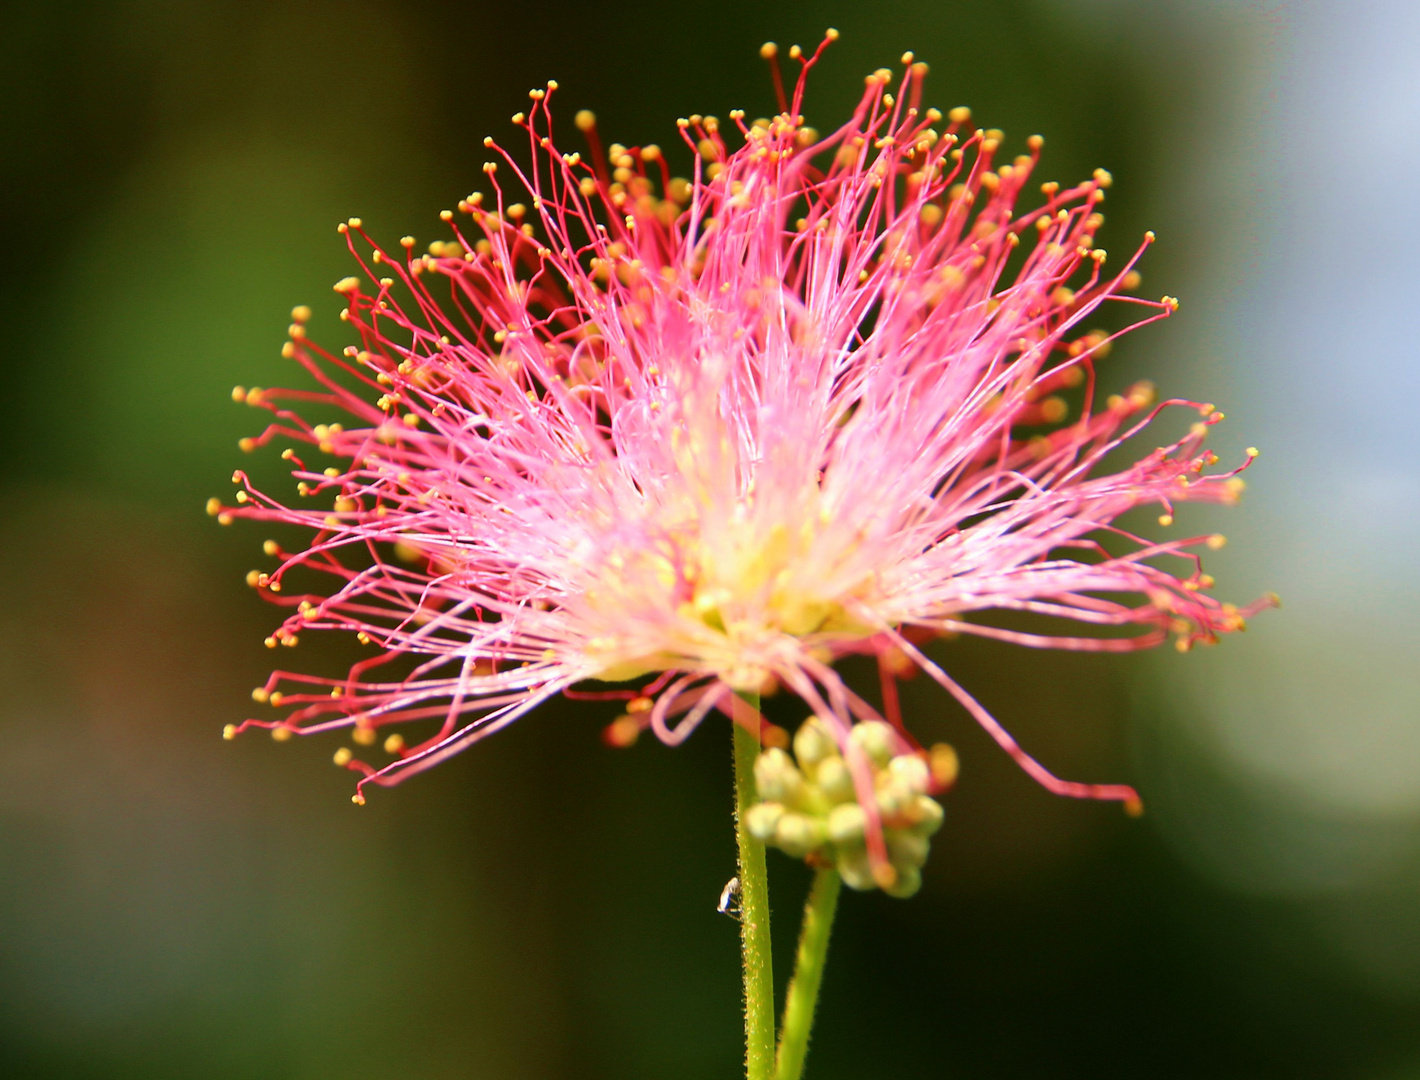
(1286, 762)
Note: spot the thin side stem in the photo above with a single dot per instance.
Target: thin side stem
(808, 973)
(754, 915)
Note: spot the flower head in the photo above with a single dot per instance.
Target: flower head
(709, 435)
(811, 808)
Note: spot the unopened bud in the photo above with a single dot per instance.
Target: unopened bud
(797, 835)
(776, 777)
(856, 871)
(893, 799)
(875, 739)
(926, 815)
(812, 743)
(907, 849)
(908, 881)
(910, 771)
(847, 823)
(834, 780)
(761, 819)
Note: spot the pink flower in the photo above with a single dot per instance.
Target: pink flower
(708, 436)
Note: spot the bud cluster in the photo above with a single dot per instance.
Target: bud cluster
(810, 810)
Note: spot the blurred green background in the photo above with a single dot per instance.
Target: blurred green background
(544, 907)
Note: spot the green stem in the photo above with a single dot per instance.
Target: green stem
(754, 914)
(808, 973)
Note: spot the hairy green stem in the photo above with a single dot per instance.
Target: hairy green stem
(808, 973)
(754, 914)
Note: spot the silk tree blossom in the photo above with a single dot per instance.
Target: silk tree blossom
(709, 436)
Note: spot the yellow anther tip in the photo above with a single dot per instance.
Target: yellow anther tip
(1134, 807)
(944, 764)
(229, 732)
(769, 50)
(343, 756)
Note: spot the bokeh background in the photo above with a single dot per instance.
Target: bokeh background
(172, 905)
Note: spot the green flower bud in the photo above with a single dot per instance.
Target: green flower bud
(834, 780)
(797, 835)
(893, 799)
(847, 823)
(875, 739)
(776, 777)
(925, 815)
(815, 812)
(911, 772)
(812, 743)
(856, 871)
(909, 880)
(761, 818)
(906, 849)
